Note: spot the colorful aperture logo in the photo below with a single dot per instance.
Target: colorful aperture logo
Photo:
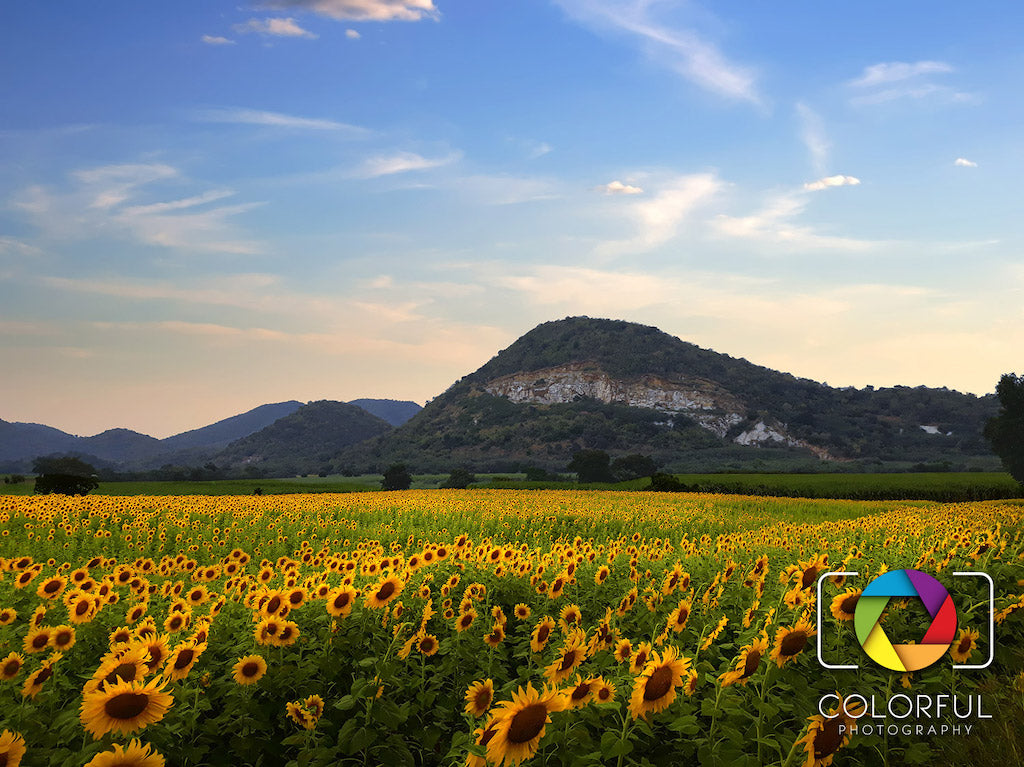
(905, 584)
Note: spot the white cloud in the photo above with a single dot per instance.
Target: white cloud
(591, 291)
(274, 27)
(896, 71)
(109, 200)
(617, 187)
(216, 40)
(681, 50)
(812, 133)
(274, 120)
(351, 34)
(962, 162)
(773, 225)
(830, 181)
(895, 80)
(361, 10)
(402, 162)
(658, 217)
(537, 149)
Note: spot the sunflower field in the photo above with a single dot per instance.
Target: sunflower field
(488, 627)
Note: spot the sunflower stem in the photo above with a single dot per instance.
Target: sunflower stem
(714, 717)
(622, 735)
(760, 709)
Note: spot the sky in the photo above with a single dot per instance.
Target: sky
(208, 206)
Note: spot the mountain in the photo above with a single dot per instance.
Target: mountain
(627, 388)
(223, 432)
(395, 412)
(304, 441)
(20, 441)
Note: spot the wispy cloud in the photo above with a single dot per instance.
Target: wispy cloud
(402, 162)
(617, 187)
(361, 10)
(110, 200)
(896, 80)
(962, 162)
(658, 217)
(274, 120)
(216, 40)
(351, 34)
(830, 181)
(812, 133)
(897, 71)
(774, 225)
(274, 27)
(681, 50)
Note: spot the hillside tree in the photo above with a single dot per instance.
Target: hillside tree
(1005, 432)
(397, 477)
(64, 475)
(591, 466)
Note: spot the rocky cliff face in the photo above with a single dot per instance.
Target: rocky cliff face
(704, 402)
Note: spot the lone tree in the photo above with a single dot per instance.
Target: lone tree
(397, 477)
(67, 476)
(1005, 432)
(591, 466)
(633, 467)
(459, 479)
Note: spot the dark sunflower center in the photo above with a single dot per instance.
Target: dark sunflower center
(568, 660)
(274, 605)
(485, 738)
(828, 740)
(43, 675)
(641, 659)
(482, 700)
(51, 586)
(580, 692)
(809, 575)
(295, 598)
(341, 600)
(793, 643)
(183, 659)
(965, 645)
(428, 644)
(250, 669)
(527, 724)
(11, 668)
(604, 693)
(466, 620)
(126, 671)
(386, 591)
(659, 684)
(127, 705)
(681, 618)
(40, 641)
(753, 660)
(849, 604)
(82, 607)
(542, 633)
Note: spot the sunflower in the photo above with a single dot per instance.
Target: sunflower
(844, 604)
(299, 715)
(790, 642)
(10, 666)
(182, 659)
(339, 601)
(12, 748)
(519, 724)
(826, 735)
(51, 588)
(601, 575)
(655, 687)
(581, 692)
(37, 640)
(678, 618)
(249, 669)
(427, 644)
(158, 647)
(572, 654)
(62, 638)
(623, 651)
(134, 755)
(120, 635)
(495, 637)
(465, 620)
(690, 684)
(36, 679)
(380, 594)
(747, 664)
(570, 614)
(128, 667)
(964, 646)
(287, 636)
(479, 697)
(604, 691)
(177, 621)
(640, 657)
(541, 633)
(7, 616)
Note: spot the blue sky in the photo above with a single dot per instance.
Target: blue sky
(209, 206)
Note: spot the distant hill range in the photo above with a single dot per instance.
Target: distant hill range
(627, 388)
(565, 386)
(231, 441)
